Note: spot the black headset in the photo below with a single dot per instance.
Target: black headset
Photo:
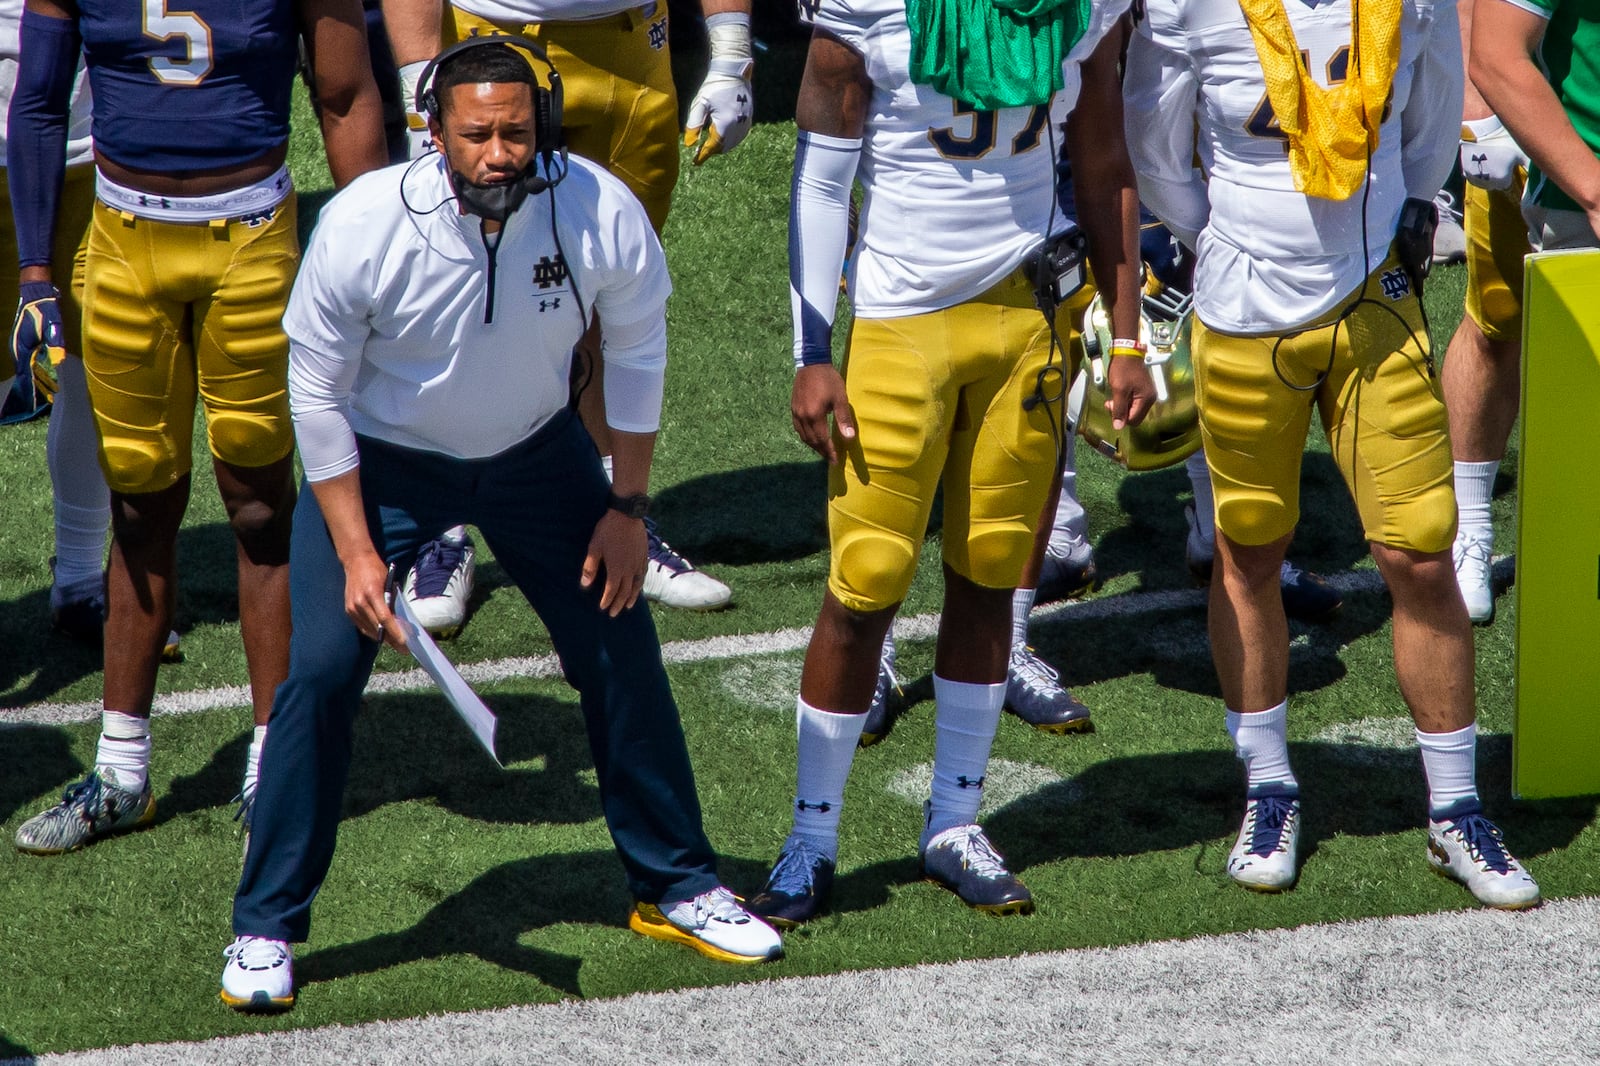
(547, 106)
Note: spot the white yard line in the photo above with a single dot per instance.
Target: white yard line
(911, 628)
(1472, 986)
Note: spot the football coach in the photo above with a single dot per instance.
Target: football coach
(431, 332)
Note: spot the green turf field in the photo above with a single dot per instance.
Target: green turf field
(458, 885)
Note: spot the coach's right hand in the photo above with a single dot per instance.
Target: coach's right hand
(366, 600)
(819, 392)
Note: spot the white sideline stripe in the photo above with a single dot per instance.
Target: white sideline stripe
(913, 627)
(1463, 986)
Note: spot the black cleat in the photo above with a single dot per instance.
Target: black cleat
(798, 887)
(962, 859)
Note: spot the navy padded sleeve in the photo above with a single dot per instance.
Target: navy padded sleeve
(36, 133)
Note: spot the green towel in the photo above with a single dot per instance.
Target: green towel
(994, 53)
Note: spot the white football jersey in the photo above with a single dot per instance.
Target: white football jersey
(554, 10)
(80, 149)
(953, 197)
(1269, 258)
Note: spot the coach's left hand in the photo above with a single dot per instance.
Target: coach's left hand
(619, 546)
(1132, 392)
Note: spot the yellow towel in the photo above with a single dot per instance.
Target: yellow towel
(1330, 131)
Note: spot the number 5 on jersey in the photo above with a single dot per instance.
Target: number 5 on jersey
(163, 25)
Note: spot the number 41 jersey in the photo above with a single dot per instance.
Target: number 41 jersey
(196, 89)
(953, 197)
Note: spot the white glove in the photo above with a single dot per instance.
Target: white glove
(419, 141)
(725, 100)
(1490, 159)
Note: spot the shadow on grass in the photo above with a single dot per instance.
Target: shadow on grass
(13, 1054)
(411, 746)
(758, 514)
(37, 758)
(491, 916)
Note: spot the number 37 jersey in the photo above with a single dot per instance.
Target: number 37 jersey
(953, 197)
(204, 87)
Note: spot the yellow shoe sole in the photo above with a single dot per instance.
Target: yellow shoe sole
(258, 1004)
(647, 920)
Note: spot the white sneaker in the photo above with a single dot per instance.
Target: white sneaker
(440, 583)
(1473, 555)
(714, 924)
(671, 581)
(1449, 239)
(1263, 858)
(259, 975)
(1467, 847)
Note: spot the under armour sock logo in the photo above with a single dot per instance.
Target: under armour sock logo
(802, 805)
(966, 782)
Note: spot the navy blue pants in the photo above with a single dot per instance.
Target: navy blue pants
(536, 506)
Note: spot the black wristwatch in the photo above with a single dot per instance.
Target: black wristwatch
(636, 506)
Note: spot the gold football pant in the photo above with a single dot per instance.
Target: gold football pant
(1380, 404)
(619, 105)
(1497, 239)
(172, 310)
(941, 395)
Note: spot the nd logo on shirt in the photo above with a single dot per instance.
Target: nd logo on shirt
(550, 273)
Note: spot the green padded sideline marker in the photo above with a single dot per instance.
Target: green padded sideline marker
(1556, 739)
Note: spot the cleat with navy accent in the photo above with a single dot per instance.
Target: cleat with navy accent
(259, 975)
(439, 583)
(1034, 693)
(89, 810)
(1199, 553)
(670, 580)
(714, 924)
(1472, 557)
(962, 859)
(1465, 846)
(172, 648)
(1306, 596)
(1066, 577)
(797, 889)
(1263, 857)
(882, 712)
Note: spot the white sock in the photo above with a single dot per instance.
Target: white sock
(1474, 490)
(605, 464)
(124, 751)
(82, 501)
(1021, 607)
(1261, 740)
(827, 747)
(252, 763)
(456, 535)
(1205, 502)
(1450, 761)
(1069, 532)
(966, 717)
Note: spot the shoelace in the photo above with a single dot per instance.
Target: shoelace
(1272, 817)
(1484, 843)
(436, 566)
(1037, 675)
(718, 905)
(85, 797)
(886, 672)
(661, 552)
(980, 856)
(1474, 550)
(792, 875)
(255, 952)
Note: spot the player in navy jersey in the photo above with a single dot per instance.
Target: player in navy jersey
(192, 251)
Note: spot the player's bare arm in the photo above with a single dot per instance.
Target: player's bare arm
(1504, 67)
(352, 111)
(414, 30)
(834, 92)
(1105, 187)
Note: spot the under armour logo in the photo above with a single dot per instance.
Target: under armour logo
(548, 273)
(802, 805)
(966, 782)
(549, 305)
(154, 201)
(1480, 161)
(658, 34)
(1396, 284)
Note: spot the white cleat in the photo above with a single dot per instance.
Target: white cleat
(439, 583)
(1472, 556)
(259, 975)
(1467, 847)
(671, 581)
(714, 924)
(1263, 858)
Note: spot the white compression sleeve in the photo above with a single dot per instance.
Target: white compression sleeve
(635, 373)
(819, 225)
